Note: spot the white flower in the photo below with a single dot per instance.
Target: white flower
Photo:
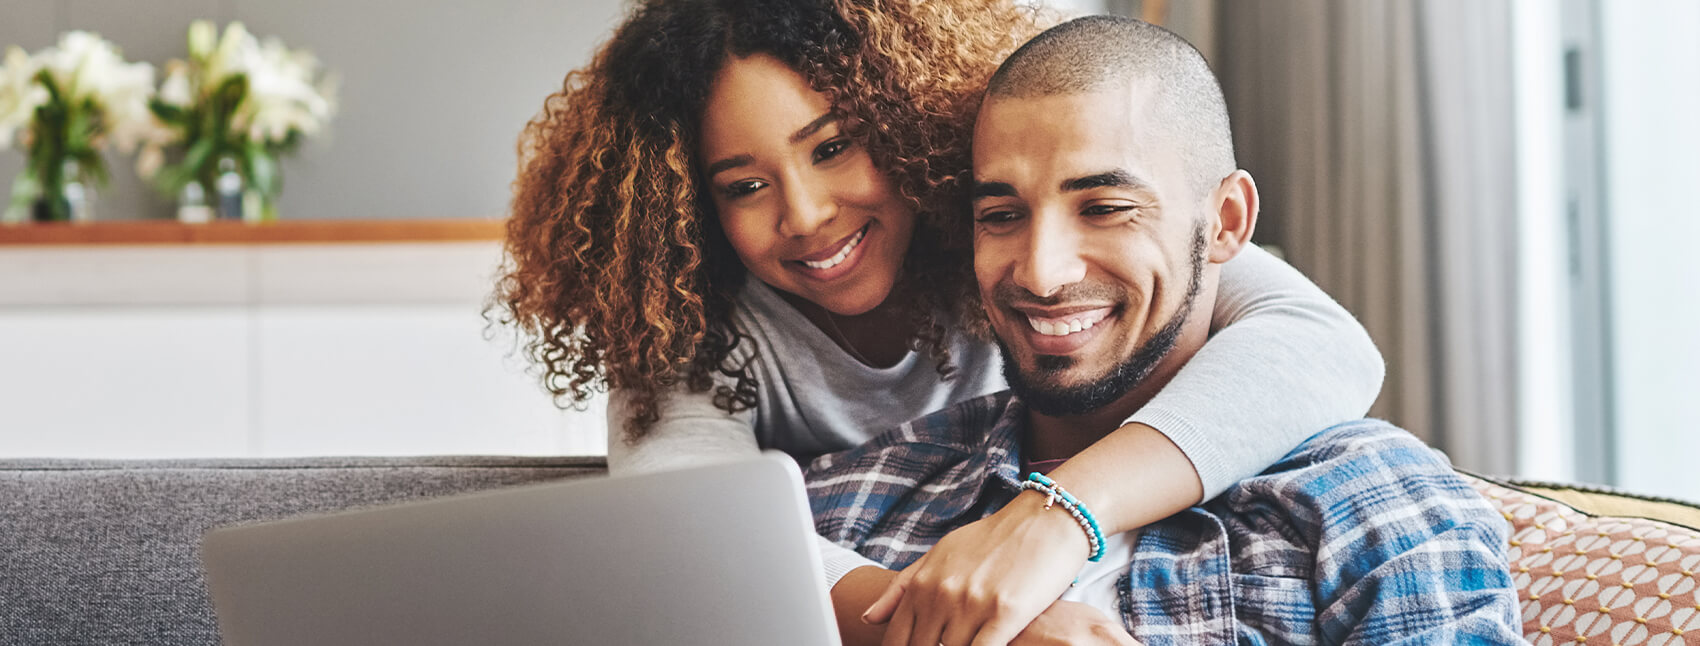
(203, 37)
(127, 114)
(176, 89)
(232, 56)
(87, 67)
(83, 64)
(20, 95)
(285, 93)
(281, 95)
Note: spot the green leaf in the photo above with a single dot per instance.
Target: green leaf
(45, 78)
(79, 131)
(200, 154)
(169, 114)
(263, 171)
(230, 93)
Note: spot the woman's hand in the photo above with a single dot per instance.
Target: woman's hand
(1068, 622)
(987, 581)
(858, 589)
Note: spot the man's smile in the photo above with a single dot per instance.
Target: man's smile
(1066, 323)
(1059, 330)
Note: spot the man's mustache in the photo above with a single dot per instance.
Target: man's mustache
(1009, 294)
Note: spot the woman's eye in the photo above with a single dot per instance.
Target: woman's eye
(996, 217)
(831, 149)
(746, 187)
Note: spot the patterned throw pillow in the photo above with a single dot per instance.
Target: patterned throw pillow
(1599, 579)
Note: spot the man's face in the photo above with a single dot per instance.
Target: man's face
(1088, 245)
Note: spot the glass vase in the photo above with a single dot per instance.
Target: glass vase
(67, 198)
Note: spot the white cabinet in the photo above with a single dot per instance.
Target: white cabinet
(267, 350)
(144, 382)
(381, 379)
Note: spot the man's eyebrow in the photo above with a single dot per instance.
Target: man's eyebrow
(728, 164)
(1117, 178)
(813, 127)
(993, 189)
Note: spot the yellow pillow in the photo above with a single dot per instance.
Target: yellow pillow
(1605, 503)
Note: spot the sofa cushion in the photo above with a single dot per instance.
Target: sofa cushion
(108, 552)
(1593, 578)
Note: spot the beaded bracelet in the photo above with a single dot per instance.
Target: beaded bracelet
(1054, 493)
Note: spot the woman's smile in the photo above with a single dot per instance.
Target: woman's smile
(837, 260)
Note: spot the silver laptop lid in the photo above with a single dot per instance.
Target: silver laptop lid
(722, 554)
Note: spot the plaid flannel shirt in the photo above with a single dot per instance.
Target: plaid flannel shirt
(1362, 535)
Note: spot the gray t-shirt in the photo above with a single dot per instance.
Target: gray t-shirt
(813, 398)
(1293, 361)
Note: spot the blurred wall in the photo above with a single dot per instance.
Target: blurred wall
(434, 92)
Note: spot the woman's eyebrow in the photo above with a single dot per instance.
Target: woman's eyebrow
(801, 134)
(813, 127)
(728, 164)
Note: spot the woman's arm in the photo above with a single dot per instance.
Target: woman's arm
(693, 431)
(1290, 358)
(1295, 361)
(1292, 361)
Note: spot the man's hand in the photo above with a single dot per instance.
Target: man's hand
(987, 581)
(1068, 622)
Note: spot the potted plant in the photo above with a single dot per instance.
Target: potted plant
(64, 104)
(231, 112)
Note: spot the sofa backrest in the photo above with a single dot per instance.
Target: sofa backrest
(108, 552)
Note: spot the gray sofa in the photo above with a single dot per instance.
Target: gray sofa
(108, 552)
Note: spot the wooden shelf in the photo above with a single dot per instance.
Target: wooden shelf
(161, 232)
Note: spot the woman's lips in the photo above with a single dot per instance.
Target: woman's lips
(831, 257)
(837, 261)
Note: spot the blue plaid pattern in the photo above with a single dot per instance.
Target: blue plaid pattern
(1362, 535)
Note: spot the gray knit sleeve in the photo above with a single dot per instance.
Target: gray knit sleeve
(1286, 363)
(693, 431)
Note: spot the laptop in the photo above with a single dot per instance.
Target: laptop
(721, 554)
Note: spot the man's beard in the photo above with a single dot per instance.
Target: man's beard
(1060, 401)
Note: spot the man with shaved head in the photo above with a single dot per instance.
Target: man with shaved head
(1106, 197)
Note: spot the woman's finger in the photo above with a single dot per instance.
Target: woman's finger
(902, 623)
(884, 606)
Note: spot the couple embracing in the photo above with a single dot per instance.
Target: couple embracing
(1009, 315)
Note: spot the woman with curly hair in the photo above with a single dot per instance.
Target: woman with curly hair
(745, 219)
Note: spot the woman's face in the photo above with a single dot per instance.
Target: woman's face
(801, 202)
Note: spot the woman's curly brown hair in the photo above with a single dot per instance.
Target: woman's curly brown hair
(617, 272)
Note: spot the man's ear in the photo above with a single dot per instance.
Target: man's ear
(1234, 205)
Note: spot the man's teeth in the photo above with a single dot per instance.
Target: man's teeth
(839, 257)
(1065, 327)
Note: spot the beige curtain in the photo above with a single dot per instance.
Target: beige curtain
(1380, 135)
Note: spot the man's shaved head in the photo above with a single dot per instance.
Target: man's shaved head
(1169, 77)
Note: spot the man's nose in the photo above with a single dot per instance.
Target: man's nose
(807, 208)
(1052, 259)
